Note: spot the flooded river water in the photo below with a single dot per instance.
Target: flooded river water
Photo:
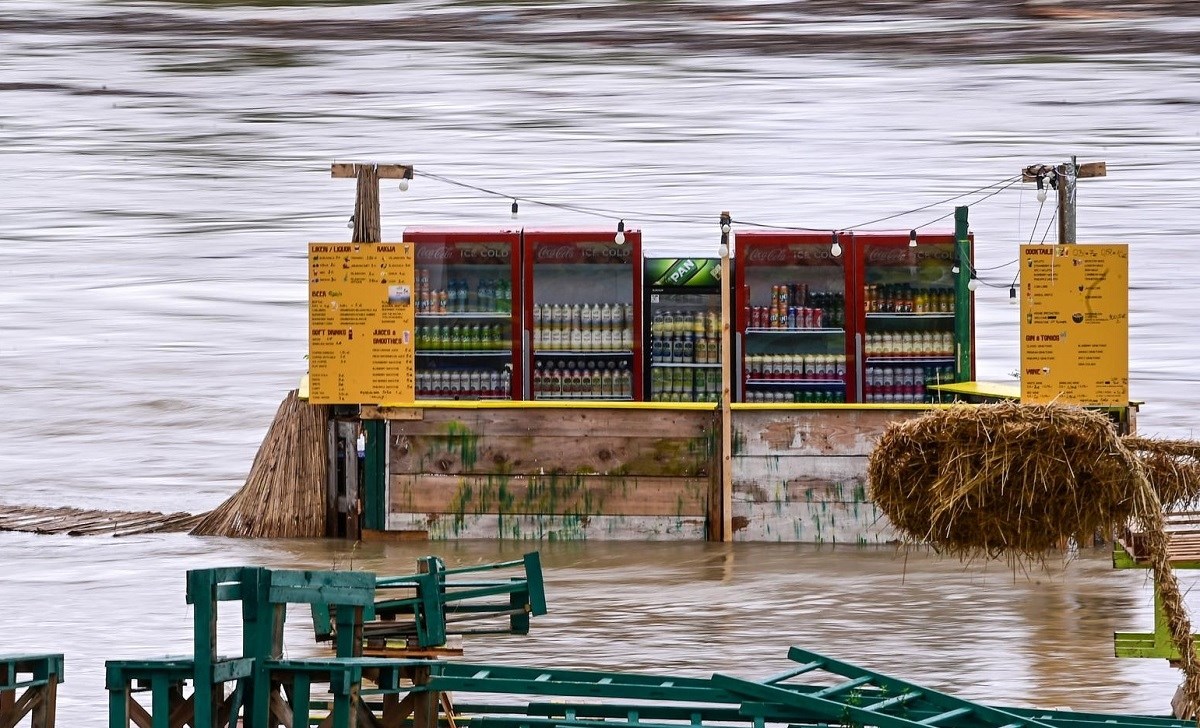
(164, 165)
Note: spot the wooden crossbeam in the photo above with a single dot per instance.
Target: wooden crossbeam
(385, 171)
(1085, 171)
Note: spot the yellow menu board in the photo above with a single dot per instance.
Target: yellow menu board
(360, 323)
(1075, 324)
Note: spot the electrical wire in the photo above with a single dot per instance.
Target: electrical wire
(617, 215)
(606, 213)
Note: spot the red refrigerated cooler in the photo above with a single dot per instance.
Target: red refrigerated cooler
(914, 324)
(872, 318)
(793, 301)
(583, 315)
(468, 313)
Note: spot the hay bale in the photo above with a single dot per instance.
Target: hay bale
(1172, 467)
(1018, 480)
(1002, 479)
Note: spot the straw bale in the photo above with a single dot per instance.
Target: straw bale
(1002, 479)
(1018, 480)
(1172, 467)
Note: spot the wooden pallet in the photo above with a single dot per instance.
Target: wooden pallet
(1183, 530)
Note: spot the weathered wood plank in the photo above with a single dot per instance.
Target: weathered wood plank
(803, 488)
(466, 453)
(811, 432)
(817, 522)
(805, 470)
(561, 422)
(552, 528)
(574, 495)
(385, 171)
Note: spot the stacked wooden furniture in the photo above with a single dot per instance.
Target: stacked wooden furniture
(29, 687)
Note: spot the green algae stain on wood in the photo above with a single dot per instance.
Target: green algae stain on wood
(462, 441)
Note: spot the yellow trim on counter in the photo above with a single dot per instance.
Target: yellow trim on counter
(980, 389)
(760, 406)
(547, 404)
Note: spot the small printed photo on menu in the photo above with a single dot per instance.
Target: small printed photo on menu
(400, 294)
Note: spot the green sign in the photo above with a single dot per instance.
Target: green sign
(683, 272)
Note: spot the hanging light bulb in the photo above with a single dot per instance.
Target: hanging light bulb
(350, 223)
(404, 184)
(514, 210)
(836, 248)
(973, 284)
(1012, 295)
(1041, 189)
(619, 238)
(954, 268)
(912, 238)
(722, 250)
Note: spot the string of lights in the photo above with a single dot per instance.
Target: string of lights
(621, 216)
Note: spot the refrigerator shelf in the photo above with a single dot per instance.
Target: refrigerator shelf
(464, 352)
(795, 331)
(798, 382)
(470, 315)
(937, 315)
(586, 398)
(583, 352)
(909, 359)
(685, 365)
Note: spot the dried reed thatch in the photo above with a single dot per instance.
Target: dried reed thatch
(1019, 480)
(284, 494)
(1172, 467)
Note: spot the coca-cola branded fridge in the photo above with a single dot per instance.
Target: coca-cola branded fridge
(468, 316)
(914, 323)
(682, 358)
(583, 314)
(871, 317)
(792, 306)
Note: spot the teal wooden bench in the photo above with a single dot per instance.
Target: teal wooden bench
(420, 610)
(224, 688)
(211, 702)
(286, 699)
(29, 687)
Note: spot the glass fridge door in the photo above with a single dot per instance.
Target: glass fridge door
(908, 302)
(684, 346)
(792, 317)
(465, 315)
(582, 317)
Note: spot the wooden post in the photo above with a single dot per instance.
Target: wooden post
(725, 533)
(1063, 178)
(344, 520)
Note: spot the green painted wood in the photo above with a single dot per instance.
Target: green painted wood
(963, 311)
(375, 475)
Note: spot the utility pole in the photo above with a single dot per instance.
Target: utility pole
(366, 203)
(724, 517)
(344, 495)
(1063, 178)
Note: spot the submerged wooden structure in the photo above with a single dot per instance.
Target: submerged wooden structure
(638, 471)
(87, 522)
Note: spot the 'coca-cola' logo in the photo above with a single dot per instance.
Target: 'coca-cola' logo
(550, 253)
(434, 253)
(766, 255)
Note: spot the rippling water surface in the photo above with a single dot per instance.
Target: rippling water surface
(164, 165)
